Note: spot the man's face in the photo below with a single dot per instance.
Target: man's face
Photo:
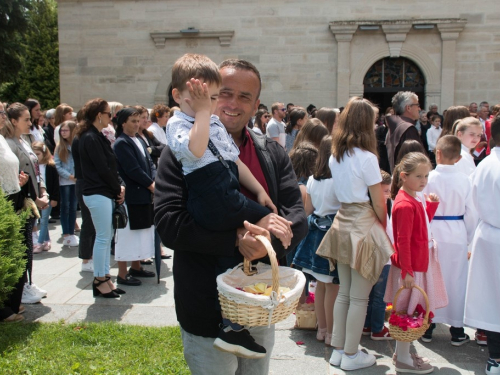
(434, 109)
(238, 98)
(483, 113)
(413, 109)
(473, 108)
(282, 111)
(423, 117)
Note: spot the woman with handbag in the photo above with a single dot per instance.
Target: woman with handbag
(101, 189)
(137, 240)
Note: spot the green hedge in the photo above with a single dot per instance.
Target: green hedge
(12, 250)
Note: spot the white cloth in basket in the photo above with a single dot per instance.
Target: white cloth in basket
(228, 281)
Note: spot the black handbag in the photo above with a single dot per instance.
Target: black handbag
(120, 217)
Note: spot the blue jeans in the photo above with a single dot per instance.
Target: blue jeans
(44, 225)
(101, 210)
(375, 314)
(68, 203)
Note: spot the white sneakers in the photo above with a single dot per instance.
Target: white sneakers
(71, 240)
(32, 294)
(361, 360)
(88, 267)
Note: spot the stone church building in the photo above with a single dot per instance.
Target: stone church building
(315, 51)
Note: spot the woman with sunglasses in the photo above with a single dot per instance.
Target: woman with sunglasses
(101, 189)
(262, 117)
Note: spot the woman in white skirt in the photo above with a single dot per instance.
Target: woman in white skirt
(136, 241)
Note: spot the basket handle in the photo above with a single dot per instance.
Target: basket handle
(427, 311)
(272, 258)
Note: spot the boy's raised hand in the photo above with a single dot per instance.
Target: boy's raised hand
(431, 197)
(200, 99)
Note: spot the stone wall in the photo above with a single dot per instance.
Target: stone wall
(106, 47)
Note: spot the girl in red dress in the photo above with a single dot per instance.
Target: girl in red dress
(414, 261)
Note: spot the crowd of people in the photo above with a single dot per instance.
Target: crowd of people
(362, 201)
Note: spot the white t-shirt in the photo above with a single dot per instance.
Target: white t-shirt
(323, 196)
(354, 174)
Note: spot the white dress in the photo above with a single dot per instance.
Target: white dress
(452, 237)
(482, 301)
(466, 163)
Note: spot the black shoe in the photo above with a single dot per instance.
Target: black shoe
(427, 337)
(239, 343)
(52, 221)
(128, 280)
(97, 292)
(141, 273)
(165, 256)
(147, 261)
(459, 341)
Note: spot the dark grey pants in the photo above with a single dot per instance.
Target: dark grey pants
(87, 234)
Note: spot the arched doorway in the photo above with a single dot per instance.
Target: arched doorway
(390, 75)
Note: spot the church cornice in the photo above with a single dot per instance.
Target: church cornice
(161, 37)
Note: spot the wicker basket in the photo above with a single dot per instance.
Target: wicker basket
(305, 319)
(411, 334)
(259, 310)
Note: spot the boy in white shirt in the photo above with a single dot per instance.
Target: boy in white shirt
(453, 228)
(432, 137)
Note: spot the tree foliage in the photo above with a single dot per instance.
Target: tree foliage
(13, 23)
(38, 76)
(12, 249)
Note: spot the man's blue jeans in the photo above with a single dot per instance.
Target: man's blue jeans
(375, 314)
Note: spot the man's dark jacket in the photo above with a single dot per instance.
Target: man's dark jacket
(197, 249)
(400, 129)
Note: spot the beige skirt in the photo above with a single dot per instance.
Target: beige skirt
(357, 238)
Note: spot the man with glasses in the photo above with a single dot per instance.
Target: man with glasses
(402, 124)
(276, 127)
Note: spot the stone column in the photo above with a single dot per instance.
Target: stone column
(449, 35)
(343, 35)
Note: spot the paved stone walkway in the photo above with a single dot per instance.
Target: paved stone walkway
(70, 299)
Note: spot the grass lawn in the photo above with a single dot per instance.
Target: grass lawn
(90, 348)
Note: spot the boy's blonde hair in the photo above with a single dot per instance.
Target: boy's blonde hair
(407, 165)
(194, 66)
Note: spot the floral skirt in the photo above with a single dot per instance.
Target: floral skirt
(431, 281)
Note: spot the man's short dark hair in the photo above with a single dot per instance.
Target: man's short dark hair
(450, 147)
(243, 65)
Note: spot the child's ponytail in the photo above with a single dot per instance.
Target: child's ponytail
(396, 183)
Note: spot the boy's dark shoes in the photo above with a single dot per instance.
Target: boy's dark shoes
(459, 341)
(239, 343)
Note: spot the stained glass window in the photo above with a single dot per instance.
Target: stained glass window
(394, 73)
